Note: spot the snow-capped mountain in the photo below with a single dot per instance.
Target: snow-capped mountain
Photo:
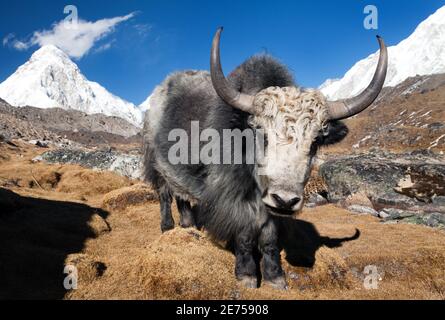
(51, 80)
(144, 106)
(422, 53)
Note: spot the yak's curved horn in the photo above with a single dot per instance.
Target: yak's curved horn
(349, 107)
(222, 87)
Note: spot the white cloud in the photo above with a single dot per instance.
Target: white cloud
(105, 46)
(143, 29)
(19, 45)
(75, 39)
(8, 39)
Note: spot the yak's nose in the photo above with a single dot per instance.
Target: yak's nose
(286, 204)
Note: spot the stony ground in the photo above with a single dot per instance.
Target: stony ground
(405, 118)
(108, 227)
(66, 128)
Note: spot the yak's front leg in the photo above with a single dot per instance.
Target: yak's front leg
(165, 198)
(245, 267)
(272, 271)
(185, 213)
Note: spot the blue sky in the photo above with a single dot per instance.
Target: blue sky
(317, 39)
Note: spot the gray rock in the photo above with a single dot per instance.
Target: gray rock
(436, 220)
(408, 181)
(124, 164)
(392, 215)
(316, 200)
(363, 210)
(384, 215)
(42, 144)
(39, 143)
(439, 200)
(436, 126)
(397, 214)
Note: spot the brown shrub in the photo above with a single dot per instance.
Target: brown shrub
(129, 196)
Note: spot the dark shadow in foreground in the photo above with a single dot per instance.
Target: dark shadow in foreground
(36, 236)
(301, 240)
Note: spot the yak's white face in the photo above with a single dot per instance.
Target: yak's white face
(292, 120)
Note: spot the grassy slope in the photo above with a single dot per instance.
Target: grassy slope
(102, 223)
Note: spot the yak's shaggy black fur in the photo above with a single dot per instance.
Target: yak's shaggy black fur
(228, 194)
(228, 199)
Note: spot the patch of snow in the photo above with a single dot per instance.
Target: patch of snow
(435, 143)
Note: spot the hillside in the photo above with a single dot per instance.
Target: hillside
(108, 227)
(408, 117)
(65, 127)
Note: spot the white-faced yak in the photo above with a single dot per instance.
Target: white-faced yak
(238, 201)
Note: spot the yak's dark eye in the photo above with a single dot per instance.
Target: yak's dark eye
(315, 145)
(266, 140)
(333, 132)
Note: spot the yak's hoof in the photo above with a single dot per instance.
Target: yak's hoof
(249, 282)
(168, 227)
(277, 283)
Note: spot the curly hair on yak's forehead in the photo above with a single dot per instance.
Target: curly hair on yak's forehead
(295, 115)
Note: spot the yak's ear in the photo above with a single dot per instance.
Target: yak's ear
(335, 132)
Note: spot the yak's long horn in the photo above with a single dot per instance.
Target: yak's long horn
(223, 88)
(349, 107)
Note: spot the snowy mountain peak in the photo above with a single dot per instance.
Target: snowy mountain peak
(422, 53)
(51, 80)
(48, 50)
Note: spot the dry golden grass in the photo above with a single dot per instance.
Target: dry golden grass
(185, 264)
(19, 171)
(109, 228)
(121, 199)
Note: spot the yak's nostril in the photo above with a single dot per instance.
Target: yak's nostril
(285, 204)
(278, 201)
(293, 201)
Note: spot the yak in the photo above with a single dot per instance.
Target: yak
(238, 203)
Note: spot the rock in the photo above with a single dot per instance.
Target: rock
(436, 126)
(42, 144)
(397, 214)
(440, 200)
(392, 215)
(383, 215)
(38, 143)
(127, 165)
(436, 220)
(360, 199)
(315, 200)
(363, 210)
(405, 181)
